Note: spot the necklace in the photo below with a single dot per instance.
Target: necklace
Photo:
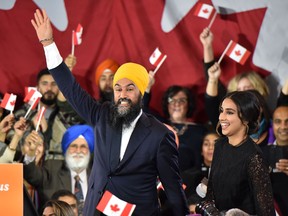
(182, 130)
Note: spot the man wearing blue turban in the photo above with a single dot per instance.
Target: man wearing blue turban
(77, 145)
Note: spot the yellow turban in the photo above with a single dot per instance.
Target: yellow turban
(134, 72)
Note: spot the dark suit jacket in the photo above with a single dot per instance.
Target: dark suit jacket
(151, 152)
(53, 176)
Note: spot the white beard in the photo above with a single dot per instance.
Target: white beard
(77, 161)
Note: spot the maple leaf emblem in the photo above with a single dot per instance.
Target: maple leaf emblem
(12, 103)
(114, 208)
(205, 10)
(238, 53)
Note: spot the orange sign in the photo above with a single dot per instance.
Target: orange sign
(11, 189)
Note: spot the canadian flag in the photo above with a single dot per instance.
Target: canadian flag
(33, 98)
(77, 35)
(157, 58)
(9, 102)
(112, 205)
(28, 88)
(237, 52)
(203, 10)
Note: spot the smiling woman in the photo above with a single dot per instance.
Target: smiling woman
(239, 177)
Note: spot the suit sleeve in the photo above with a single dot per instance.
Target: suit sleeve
(167, 162)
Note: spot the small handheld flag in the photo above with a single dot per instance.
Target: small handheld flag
(112, 205)
(9, 102)
(236, 52)
(32, 98)
(205, 11)
(157, 59)
(76, 37)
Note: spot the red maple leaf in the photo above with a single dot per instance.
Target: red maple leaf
(12, 103)
(205, 10)
(238, 53)
(114, 208)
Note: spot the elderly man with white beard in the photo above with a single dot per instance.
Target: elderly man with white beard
(70, 174)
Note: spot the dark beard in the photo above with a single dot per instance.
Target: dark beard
(117, 120)
(48, 102)
(106, 96)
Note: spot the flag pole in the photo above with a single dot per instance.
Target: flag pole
(220, 59)
(212, 20)
(72, 51)
(30, 108)
(11, 111)
(159, 65)
(40, 117)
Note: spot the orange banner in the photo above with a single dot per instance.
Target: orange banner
(11, 189)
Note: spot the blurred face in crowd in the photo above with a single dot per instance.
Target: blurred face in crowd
(280, 125)
(106, 81)
(127, 103)
(178, 107)
(208, 148)
(231, 124)
(78, 155)
(71, 201)
(30, 145)
(49, 89)
(244, 84)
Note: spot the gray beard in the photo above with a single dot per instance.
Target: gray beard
(77, 164)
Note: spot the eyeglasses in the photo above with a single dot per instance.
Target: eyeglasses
(180, 101)
(74, 147)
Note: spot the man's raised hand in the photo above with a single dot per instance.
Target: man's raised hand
(43, 28)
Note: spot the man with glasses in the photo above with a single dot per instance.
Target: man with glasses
(70, 174)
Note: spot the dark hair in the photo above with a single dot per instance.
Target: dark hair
(60, 208)
(171, 92)
(61, 193)
(248, 106)
(42, 73)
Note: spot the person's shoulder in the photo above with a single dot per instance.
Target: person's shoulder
(153, 122)
(52, 164)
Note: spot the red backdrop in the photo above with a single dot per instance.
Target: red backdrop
(125, 31)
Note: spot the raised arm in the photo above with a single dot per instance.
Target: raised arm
(214, 73)
(206, 38)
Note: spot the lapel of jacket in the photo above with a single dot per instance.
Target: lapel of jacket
(141, 131)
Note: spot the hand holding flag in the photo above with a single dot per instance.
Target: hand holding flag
(112, 205)
(236, 52)
(76, 37)
(9, 102)
(157, 59)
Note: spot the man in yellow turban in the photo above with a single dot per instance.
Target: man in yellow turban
(132, 149)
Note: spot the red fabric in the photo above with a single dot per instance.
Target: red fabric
(124, 31)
